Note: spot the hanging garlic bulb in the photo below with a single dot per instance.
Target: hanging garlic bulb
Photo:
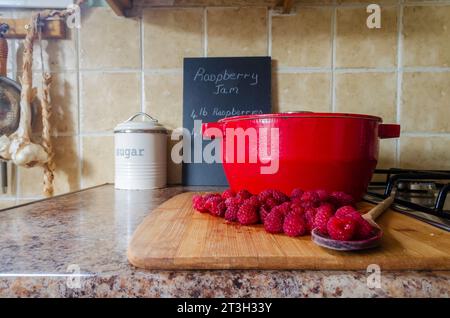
(18, 147)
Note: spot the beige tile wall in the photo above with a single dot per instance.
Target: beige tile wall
(325, 59)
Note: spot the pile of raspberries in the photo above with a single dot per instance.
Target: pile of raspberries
(333, 214)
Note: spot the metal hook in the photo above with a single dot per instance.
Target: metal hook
(4, 27)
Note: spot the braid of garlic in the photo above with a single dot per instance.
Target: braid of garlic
(26, 94)
(18, 147)
(49, 166)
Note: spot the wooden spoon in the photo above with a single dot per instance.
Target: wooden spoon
(326, 241)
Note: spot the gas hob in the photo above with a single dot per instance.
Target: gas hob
(421, 194)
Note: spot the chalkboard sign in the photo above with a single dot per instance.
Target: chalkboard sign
(214, 88)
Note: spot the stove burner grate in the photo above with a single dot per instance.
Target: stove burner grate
(420, 193)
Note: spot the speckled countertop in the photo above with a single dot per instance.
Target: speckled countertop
(75, 246)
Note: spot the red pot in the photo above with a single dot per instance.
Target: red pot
(330, 151)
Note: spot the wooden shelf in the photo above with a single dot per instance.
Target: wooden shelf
(53, 29)
(135, 7)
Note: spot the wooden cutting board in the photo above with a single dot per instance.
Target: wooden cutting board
(174, 236)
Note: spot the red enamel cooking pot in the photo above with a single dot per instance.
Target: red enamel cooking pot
(330, 151)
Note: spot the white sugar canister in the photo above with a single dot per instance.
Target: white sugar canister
(140, 153)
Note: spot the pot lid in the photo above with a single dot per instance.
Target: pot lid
(146, 124)
(301, 114)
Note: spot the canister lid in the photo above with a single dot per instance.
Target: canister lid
(146, 124)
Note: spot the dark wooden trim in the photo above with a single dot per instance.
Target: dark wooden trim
(135, 7)
(53, 29)
(119, 6)
(287, 6)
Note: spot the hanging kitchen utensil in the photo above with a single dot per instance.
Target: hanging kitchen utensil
(9, 91)
(9, 102)
(19, 146)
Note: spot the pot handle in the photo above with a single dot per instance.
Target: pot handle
(388, 131)
(212, 129)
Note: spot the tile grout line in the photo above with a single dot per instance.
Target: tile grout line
(425, 134)
(332, 4)
(426, 4)
(98, 134)
(164, 71)
(333, 57)
(425, 69)
(142, 75)
(110, 70)
(269, 32)
(357, 5)
(281, 69)
(80, 111)
(344, 70)
(399, 76)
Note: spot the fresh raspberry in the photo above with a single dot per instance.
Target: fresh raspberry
(355, 215)
(220, 209)
(264, 195)
(326, 207)
(345, 210)
(211, 200)
(271, 202)
(297, 193)
(294, 225)
(324, 195)
(272, 197)
(233, 200)
(364, 230)
(247, 214)
(211, 195)
(274, 221)
(310, 199)
(253, 200)
(264, 211)
(309, 204)
(279, 196)
(297, 209)
(216, 206)
(231, 212)
(343, 198)
(198, 203)
(341, 229)
(323, 214)
(228, 194)
(284, 208)
(243, 194)
(310, 214)
(310, 196)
